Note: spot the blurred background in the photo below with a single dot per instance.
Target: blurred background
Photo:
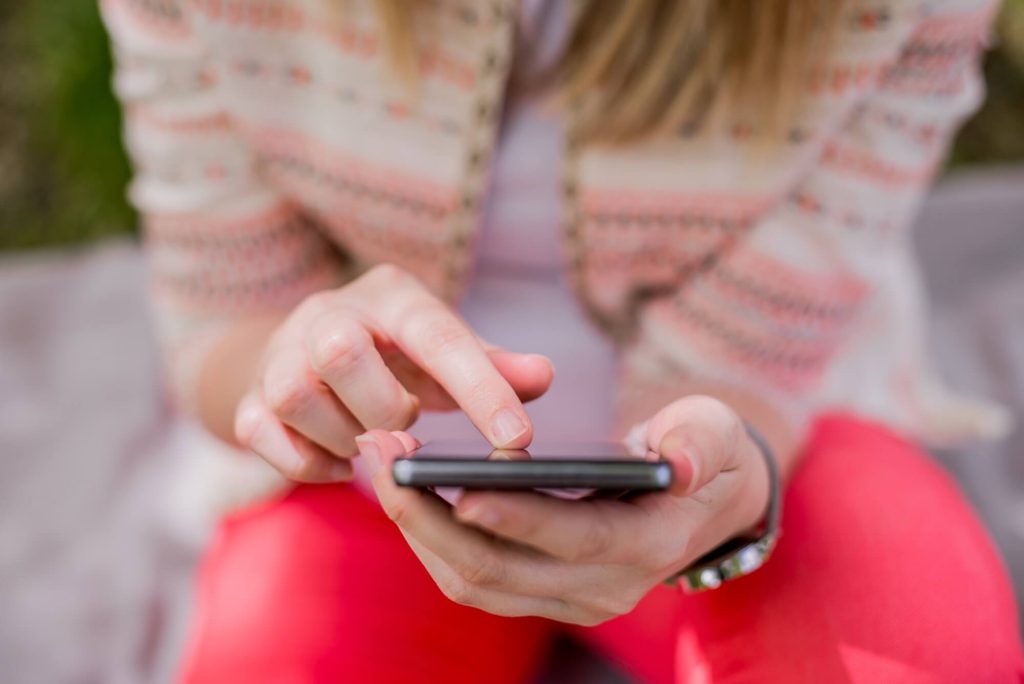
(62, 170)
(94, 561)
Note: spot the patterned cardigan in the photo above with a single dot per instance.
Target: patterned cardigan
(275, 157)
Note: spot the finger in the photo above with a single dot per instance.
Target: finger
(573, 531)
(294, 456)
(300, 400)
(701, 437)
(473, 555)
(530, 375)
(495, 601)
(342, 353)
(409, 443)
(441, 343)
(431, 395)
(538, 585)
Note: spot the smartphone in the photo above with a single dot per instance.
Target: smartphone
(570, 470)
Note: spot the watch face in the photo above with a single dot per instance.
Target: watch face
(708, 578)
(729, 561)
(725, 549)
(749, 559)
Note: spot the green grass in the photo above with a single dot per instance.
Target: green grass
(62, 167)
(63, 170)
(996, 133)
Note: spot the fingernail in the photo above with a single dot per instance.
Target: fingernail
(683, 474)
(507, 426)
(369, 450)
(677, 452)
(482, 515)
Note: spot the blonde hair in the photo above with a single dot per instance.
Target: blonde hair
(639, 68)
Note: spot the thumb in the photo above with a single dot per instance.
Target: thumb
(701, 437)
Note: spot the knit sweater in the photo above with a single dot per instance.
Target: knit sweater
(276, 156)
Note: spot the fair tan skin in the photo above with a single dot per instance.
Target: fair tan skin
(349, 370)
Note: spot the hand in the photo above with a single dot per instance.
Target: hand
(583, 562)
(372, 354)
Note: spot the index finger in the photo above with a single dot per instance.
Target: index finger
(444, 346)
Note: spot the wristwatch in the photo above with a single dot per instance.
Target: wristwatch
(744, 554)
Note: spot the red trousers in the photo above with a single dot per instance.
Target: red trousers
(883, 574)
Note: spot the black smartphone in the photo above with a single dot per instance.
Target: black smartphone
(565, 469)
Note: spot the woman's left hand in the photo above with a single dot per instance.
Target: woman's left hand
(583, 562)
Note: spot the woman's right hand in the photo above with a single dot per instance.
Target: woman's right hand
(372, 354)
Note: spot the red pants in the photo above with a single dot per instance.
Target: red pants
(883, 574)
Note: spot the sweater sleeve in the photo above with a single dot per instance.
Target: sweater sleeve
(819, 307)
(221, 243)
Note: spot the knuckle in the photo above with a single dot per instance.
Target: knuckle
(482, 570)
(399, 415)
(614, 604)
(457, 589)
(395, 508)
(302, 471)
(626, 603)
(387, 274)
(438, 334)
(245, 427)
(341, 349)
(289, 397)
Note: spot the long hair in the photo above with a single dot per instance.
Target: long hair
(639, 68)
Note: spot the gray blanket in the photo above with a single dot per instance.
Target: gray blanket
(95, 562)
